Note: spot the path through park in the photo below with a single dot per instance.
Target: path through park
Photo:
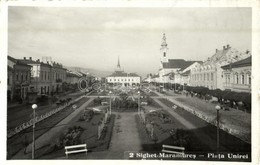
(125, 134)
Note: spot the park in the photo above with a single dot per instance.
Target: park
(109, 122)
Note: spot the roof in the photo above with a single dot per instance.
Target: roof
(28, 62)
(241, 63)
(122, 74)
(186, 73)
(155, 76)
(70, 74)
(177, 63)
(10, 68)
(169, 74)
(16, 61)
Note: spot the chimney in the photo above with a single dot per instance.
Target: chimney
(216, 50)
(31, 58)
(224, 47)
(24, 58)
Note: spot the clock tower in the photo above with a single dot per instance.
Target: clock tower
(164, 51)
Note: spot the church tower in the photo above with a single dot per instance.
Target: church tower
(118, 67)
(164, 50)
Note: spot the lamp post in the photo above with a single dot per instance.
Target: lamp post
(34, 106)
(110, 93)
(138, 102)
(217, 109)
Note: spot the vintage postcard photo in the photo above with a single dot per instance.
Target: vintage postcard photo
(95, 83)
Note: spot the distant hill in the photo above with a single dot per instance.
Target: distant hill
(94, 72)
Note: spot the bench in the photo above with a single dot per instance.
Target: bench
(75, 149)
(173, 149)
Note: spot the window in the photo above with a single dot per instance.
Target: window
(164, 54)
(242, 79)
(228, 78)
(211, 76)
(249, 79)
(21, 76)
(17, 76)
(236, 77)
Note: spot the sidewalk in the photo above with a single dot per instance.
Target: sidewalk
(238, 121)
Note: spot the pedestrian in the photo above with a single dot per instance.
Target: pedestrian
(25, 144)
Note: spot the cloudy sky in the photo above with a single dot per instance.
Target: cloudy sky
(95, 37)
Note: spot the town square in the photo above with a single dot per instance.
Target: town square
(129, 84)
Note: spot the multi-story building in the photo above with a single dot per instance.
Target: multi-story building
(58, 77)
(46, 78)
(119, 76)
(41, 76)
(18, 79)
(237, 75)
(210, 74)
(71, 77)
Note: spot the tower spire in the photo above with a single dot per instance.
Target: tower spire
(164, 44)
(118, 64)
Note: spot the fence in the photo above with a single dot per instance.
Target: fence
(29, 123)
(237, 133)
(102, 125)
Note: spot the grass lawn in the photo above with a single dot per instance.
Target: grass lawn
(152, 94)
(18, 141)
(88, 136)
(230, 142)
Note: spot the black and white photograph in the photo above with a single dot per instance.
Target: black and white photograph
(129, 83)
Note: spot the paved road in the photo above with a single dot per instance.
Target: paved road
(22, 113)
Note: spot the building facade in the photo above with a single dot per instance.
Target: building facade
(121, 77)
(46, 78)
(210, 74)
(237, 76)
(71, 78)
(18, 80)
(58, 77)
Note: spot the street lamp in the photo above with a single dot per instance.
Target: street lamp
(138, 102)
(34, 106)
(217, 108)
(110, 93)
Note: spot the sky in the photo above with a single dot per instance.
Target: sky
(95, 37)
